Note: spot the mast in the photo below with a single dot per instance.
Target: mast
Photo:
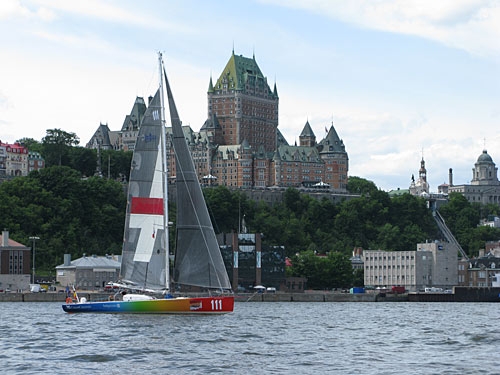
(164, 175)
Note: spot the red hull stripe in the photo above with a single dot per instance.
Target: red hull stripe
(146, 206)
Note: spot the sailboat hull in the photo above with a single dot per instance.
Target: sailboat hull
(180, 305)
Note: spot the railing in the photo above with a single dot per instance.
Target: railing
(447, 233)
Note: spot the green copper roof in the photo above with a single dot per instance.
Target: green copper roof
(332, 142)
(307, 131)
(238, 72)
(210, 85)
(298, 153)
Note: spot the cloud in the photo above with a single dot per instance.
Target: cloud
(470, 25)
(106, 11)
(14, 9)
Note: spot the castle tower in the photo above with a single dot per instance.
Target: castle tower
(245, 106)
(332, 152)
(307, 137)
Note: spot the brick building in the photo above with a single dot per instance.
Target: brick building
(15, 263)
(35, 161)
(240, 145)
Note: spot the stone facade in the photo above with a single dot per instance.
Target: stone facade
(240, 145)
(484, 187)
(88, 273)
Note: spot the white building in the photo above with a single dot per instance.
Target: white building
(431, 265)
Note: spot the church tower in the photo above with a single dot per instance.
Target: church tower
(421, 186)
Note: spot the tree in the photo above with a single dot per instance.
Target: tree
(358, 185)
(69, 214)
(116, 164)
(323, 272)
(56, 144)
(31, 144)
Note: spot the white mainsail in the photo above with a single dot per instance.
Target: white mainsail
(144, 247)
(198, 260)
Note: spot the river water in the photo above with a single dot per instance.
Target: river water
(258, 338)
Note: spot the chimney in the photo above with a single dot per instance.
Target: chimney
(67, 260)
(450, 176)
(5, 238)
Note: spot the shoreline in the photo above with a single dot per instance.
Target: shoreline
(460, 294)
(318, 296)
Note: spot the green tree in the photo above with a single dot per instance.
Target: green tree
(56, 144)
(116, 164)
(83, 160)
(31, 144)
(323, 272)
(69, 214)
(358, 185)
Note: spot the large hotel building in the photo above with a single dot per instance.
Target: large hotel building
(240, 145)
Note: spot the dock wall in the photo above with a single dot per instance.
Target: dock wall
(460, 294)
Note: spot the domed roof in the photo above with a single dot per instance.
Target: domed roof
(484, 157)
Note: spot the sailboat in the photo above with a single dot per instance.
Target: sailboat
(145, 277)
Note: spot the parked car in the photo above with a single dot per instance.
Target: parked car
(398, 289)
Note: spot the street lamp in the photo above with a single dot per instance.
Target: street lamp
(34, 238)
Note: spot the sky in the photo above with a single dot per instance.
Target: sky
(399, 80)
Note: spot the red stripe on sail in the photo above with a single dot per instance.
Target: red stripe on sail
(146, 206)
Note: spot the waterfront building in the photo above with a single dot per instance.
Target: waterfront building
(15, 263)
(357, 259)
(485, 186)
(250, 263)
(433, 264)
(483, 271)
(88, 273)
